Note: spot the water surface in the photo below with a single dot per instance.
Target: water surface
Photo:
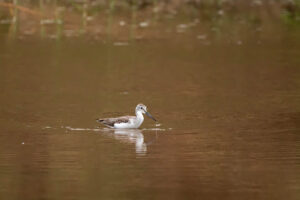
(229, 119)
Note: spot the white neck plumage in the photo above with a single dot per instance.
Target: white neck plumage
(139, 116)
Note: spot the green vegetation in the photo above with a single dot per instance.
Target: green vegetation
(291, 12)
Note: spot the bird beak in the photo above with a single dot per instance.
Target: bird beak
(149, 115)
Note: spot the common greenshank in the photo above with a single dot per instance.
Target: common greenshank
(127, 121)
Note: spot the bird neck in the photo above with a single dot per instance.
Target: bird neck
(139, 115)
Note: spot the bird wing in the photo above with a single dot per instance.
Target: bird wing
(110, 122)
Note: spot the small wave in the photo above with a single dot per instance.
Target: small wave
(154, 129)
(47, 127)
(82, 129)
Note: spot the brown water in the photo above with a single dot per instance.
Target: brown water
(229, 119)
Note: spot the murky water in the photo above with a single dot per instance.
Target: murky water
(229, 119)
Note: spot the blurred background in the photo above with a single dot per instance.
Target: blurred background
(145, 19)
(221, 76)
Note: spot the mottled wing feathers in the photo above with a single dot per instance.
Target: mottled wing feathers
(110, 122)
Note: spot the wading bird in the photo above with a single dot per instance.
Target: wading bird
(127, 121)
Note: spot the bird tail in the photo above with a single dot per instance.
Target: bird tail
(99, 120)
(104, 122)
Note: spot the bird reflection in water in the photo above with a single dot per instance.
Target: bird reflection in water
(132, 136)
